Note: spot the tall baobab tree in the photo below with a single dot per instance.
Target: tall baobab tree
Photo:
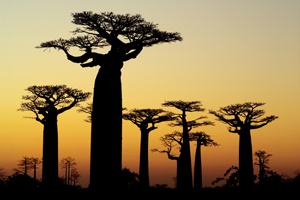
(126, 35)
(202, 139)
(185, 181)
(262, 159)
(47, 102)
(142, 118)
(242, 118)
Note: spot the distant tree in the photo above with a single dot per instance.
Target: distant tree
(74, 175)
(242, 118)
(142, 118)
(170, 141)
(126, 35)
(87, 109)
(232, 181)
(34, 162)
(129, 179)
(184, 164)
(67, 164)
(262, 159)
(47, 102)
(24, 165)
(202, 139)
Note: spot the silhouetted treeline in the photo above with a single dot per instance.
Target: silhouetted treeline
(47, 102)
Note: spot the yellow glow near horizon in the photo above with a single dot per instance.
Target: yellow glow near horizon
(232, 52)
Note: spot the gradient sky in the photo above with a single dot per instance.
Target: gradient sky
(232, 52)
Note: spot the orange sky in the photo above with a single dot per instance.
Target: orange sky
(232, 52)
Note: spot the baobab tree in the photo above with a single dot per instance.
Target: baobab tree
(24, 165)
(34, 162)
(126, 35)
(262, 159)
(242, 118)
(142, 118)
(185, 154)
(205, 140)
(87, 109)
(170, 141)
(74, 175)
(67, 164)
(47, 102)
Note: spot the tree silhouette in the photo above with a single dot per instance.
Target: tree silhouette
(47, 102)
(184, 164)
(129, 179)
(262, 159)
(126, 35)
(24, 165)
(242, 118)
(170, 141)
(74, 176)
(34, 162)
(142, 118)
(233, 180)
(202, 139)
(67, 163)
(87, 109)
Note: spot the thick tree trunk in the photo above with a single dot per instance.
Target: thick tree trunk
(106, 138)
(245, 160)
(185, 159)
(144, 165)
(50, 152)
(198, 168)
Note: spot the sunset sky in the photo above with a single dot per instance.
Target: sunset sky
(232, 52)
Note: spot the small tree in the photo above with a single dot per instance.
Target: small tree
(87, 109)
(47, 102)
(202, 139)
(262, 159)
(34, 162)
(74, 175)
(142, 118)
(242, 118)
(232, 181)
(67, 164)
(184, 164)
(126, 35)
(24, 165)
(170, 141)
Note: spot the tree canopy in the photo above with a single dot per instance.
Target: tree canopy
(123, 33)
(241, 115)
(143, 117)
(49, 98)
